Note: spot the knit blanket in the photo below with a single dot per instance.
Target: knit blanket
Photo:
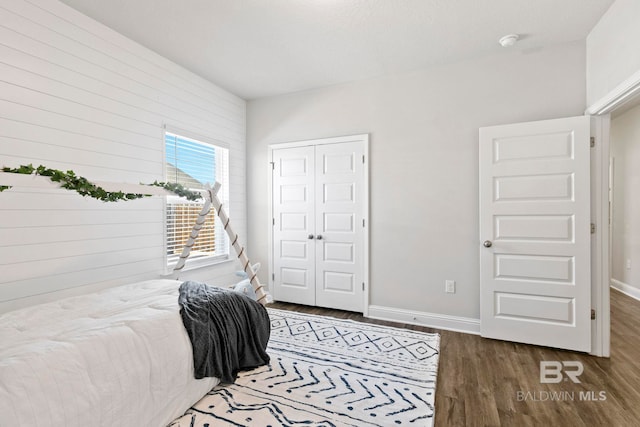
(228, 330)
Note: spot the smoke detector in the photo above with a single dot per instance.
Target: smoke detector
(508, 40)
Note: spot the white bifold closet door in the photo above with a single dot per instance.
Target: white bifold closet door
(319, 208)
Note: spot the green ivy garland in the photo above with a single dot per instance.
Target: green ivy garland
(84, 187)
(179, 190)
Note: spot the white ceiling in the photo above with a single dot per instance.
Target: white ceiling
(257, 48)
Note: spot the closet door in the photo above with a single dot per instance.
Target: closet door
(340, 209)
(294, 240)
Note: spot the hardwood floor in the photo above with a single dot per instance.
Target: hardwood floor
(483, 382)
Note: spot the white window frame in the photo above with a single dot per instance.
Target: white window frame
(222, 175)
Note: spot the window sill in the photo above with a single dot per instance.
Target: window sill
(199, 263)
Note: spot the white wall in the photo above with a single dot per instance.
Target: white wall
(77, 95)
(625, 150)
(423, 161)
(612, 49)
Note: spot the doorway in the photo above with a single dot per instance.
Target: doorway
(625, 208)
(615, 103)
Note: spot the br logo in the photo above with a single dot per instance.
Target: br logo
(554, 371)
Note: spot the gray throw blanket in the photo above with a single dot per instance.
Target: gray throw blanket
(228, 330)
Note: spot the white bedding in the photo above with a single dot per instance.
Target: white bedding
(120, 357)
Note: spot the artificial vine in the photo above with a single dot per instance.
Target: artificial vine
(84, 187)
(179, 190)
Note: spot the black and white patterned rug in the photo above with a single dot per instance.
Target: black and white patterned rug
(329, 372)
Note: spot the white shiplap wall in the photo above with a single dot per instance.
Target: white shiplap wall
(75, 94)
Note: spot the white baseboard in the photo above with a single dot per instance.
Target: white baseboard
(431, 320)
(629, 290)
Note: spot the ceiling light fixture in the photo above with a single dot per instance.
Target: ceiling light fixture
(508, 40)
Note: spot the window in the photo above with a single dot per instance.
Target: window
(194, 163)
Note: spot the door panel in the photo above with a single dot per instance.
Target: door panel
(535, 217)
(339, 213)
(294, 222)
(535, 227)
(516, 306)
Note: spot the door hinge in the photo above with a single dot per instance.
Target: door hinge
(593, 314)
(273, 221)
(363, 159)
(592, 141)
(273, 165)
(363, 286)
(273, 276)
(593, 228)
(362, 222)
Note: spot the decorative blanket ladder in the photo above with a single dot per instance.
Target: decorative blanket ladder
(210, 195)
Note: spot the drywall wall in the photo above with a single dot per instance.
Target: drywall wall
(77, 95)
(423, 161)
(625, 151)
(612, 50)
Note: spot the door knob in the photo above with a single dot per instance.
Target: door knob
(487, 243)
(319, 237)
(310, 236)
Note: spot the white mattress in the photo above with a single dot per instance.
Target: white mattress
(120, 357)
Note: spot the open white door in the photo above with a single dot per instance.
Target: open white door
(535, 281)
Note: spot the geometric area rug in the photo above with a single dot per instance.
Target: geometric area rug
(329, 372)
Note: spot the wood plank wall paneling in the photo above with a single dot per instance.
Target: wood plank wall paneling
(75, 94)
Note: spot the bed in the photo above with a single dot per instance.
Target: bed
(120, 357)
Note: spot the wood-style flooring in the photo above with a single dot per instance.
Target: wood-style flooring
(483, 382)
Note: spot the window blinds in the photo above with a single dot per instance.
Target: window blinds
(193, 164)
